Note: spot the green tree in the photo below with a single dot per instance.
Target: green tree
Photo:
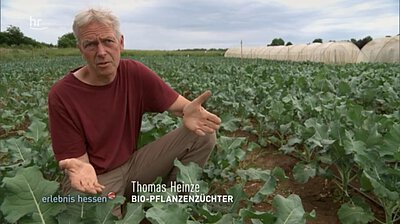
(15, 35)
(361, 42)
(318, 40)
(289, 43)
(277, 42)
(4, 38)
(66, 40)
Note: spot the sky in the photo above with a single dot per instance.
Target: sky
(183, 24)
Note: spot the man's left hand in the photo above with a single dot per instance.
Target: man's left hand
(199, 120)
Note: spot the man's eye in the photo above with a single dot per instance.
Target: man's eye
(90, 44)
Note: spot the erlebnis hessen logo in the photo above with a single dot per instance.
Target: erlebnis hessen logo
(36, 23)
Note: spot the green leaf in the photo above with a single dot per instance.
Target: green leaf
(146, 125)
(290, 146)
(169, 214)
(229, 122)
(396, 156)
(286, 149)
(264, 175)
(191, 174)
(254, 174)
(321, 135)
(368, 159)
(369, 133)
(288, 210)
(302, 172)
(279, 173)
(351, 146)
(227, 218)
(103, 212)
(75, 212)
(238, 195)
(134, 214)
(24, 193)
(365, 183)
(354, 114)
(87, 212)
(229, 151)
(311, 215)
(252, 145)
(192, 222)
(209, 216)
(264, 217)
(230, 143)
(267, 189)
(18, 150)
(294, 140)
(391, 144)
(343, 88)
(353, 214)
(380, 189)
(37, 130)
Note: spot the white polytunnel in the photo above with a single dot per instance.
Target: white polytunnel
(378, 50)
(381, 50)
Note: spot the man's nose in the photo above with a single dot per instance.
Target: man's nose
(101, 51)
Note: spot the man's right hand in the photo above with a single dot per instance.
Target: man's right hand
(82, 175)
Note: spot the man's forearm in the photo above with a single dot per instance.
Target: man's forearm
(177, 107)
(66, 163)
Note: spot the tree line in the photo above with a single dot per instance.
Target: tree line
(360, 43)
(13, 36)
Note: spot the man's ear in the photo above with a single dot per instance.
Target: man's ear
(121, 42)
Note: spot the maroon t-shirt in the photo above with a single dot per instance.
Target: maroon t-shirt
(105, 121)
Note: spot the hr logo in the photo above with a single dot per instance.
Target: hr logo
(35, 23)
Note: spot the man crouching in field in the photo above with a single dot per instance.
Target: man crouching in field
(95, 114)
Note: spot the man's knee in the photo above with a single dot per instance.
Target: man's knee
(205, 146)
(208, 141)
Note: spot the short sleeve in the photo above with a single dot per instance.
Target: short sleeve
(67, 140)
(158, 96)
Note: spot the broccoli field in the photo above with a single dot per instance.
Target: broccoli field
(338, 125)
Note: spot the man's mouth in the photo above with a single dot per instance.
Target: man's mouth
(103, 63)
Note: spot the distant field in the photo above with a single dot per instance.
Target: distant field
(15, 53)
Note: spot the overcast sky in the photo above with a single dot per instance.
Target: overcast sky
(180, 24)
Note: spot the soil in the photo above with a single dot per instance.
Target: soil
(317, 194)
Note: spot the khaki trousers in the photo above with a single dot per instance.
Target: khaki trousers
(153, 160)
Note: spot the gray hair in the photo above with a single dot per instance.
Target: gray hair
(95, 15)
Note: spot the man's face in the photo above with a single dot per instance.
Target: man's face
(101, 49)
